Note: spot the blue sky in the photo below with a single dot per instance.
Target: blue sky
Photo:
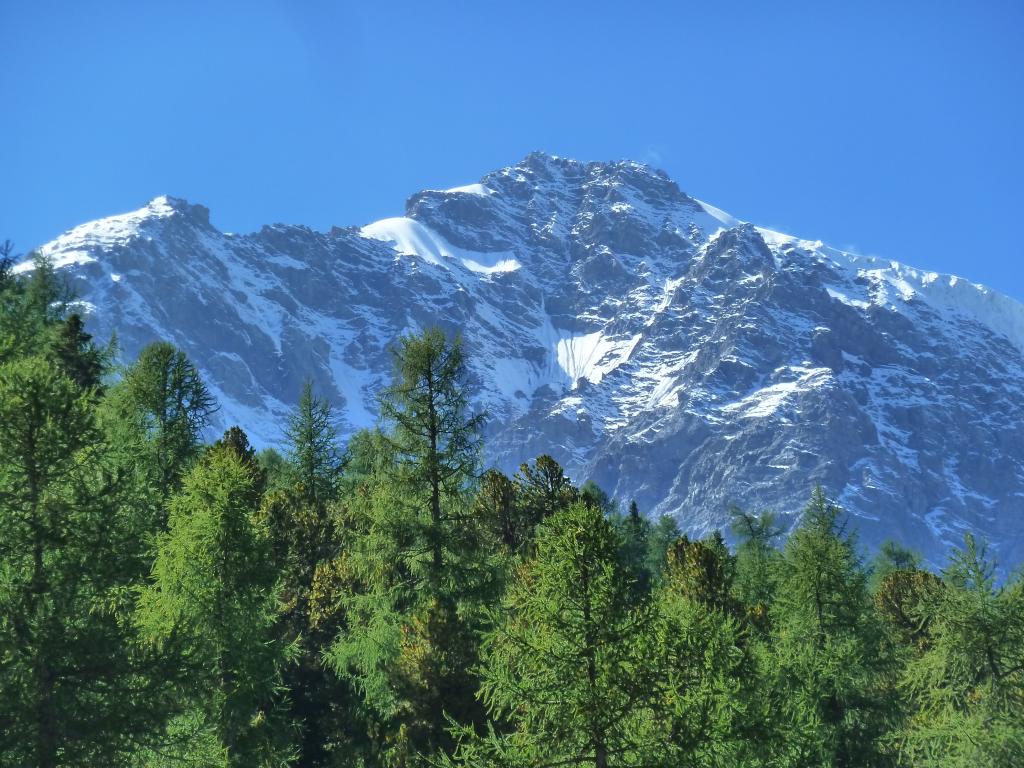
(891, 128)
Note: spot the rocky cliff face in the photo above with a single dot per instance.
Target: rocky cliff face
(645, 339)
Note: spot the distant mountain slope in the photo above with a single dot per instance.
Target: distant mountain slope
(645, 339)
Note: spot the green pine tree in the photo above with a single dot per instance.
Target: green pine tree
(435, 438)
(159, 411)
(541, 490)
(75, 687)
(564, 677)
(966, 687)
(306, 545)
(213, 584)
(833, 671)
(80, 359)
(663, 534)
(710, 710)
(418, 558)
(596, 496)
(312, 447)
(757, 563)
(496, 503)
(891, 557)
(635, 531)
(32, 305)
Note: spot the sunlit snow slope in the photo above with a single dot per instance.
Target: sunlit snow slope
(645, 339)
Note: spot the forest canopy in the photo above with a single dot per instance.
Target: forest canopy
(165, 601)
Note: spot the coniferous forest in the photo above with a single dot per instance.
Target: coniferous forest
(166, 602)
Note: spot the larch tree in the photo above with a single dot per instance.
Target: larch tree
(301, 516)
(32, 306)
(160, 409)
(565, 679)
(495, 504)
(410, 638)
(436, 438)
(312, 447)
(213, 584)
(710, 707)
(757, 563)
(966, 686)
(542, 488)
(636, 533)
(833, 671)
(76, 354)
(73, 681)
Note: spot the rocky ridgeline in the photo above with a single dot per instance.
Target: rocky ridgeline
(646, 340)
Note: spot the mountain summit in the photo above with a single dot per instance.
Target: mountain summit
(645, 339)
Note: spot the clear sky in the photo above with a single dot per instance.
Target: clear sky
(892, 128)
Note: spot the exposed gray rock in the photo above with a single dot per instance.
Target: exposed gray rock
(646, 340)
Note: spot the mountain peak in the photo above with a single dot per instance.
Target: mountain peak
(78, 246)
(540, 159)
(646, 340)
(167, 205)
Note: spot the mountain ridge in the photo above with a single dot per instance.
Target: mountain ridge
(646, 339)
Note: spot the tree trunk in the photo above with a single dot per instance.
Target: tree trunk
(46, 717)
(434, 477)
(597, 736)
(45, 707)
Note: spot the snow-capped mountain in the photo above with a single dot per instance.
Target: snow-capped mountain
(645, 339)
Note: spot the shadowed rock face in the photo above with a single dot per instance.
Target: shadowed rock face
(658, 346)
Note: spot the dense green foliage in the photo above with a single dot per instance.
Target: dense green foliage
(169, 603)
